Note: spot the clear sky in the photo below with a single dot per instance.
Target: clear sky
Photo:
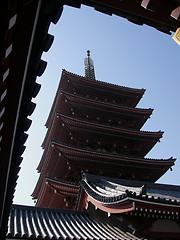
(123, 53)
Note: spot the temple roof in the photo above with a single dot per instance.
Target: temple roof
(106, 84)
(44, 223)
(77, 122)
(81, 99)
(53, 193)
(113, 190)
(152, 168)
(77, 151)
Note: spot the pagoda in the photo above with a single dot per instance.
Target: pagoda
(94, 155)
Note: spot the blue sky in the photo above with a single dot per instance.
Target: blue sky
(123, 53)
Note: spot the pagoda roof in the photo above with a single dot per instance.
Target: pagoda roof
(27, 222)
(106, 84)
(75, 151)
(77, 122)
(113, 191)
(115, 106)
(54, 192)
(157, 166)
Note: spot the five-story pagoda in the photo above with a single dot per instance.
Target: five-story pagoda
(94, 155)
(94, 127)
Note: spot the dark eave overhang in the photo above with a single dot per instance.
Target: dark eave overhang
(161, 15)
(20, 65)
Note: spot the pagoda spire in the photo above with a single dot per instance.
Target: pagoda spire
(89, 67)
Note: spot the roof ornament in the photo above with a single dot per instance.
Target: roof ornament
(89, 67)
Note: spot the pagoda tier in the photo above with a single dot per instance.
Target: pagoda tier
(153, 210)
(99, 137)
(57, 194)
(67, 163)
(102, 137)
(98, 112)
(95, 90)
(99, 90)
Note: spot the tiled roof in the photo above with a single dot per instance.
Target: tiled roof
(107, 104)
(113, 190)
(75, 151)
(43, 223)
(136, 90)
(77, 121)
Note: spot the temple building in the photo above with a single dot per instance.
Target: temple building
(94, 161)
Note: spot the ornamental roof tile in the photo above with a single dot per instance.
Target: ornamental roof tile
(44, 223)
(112, 190)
